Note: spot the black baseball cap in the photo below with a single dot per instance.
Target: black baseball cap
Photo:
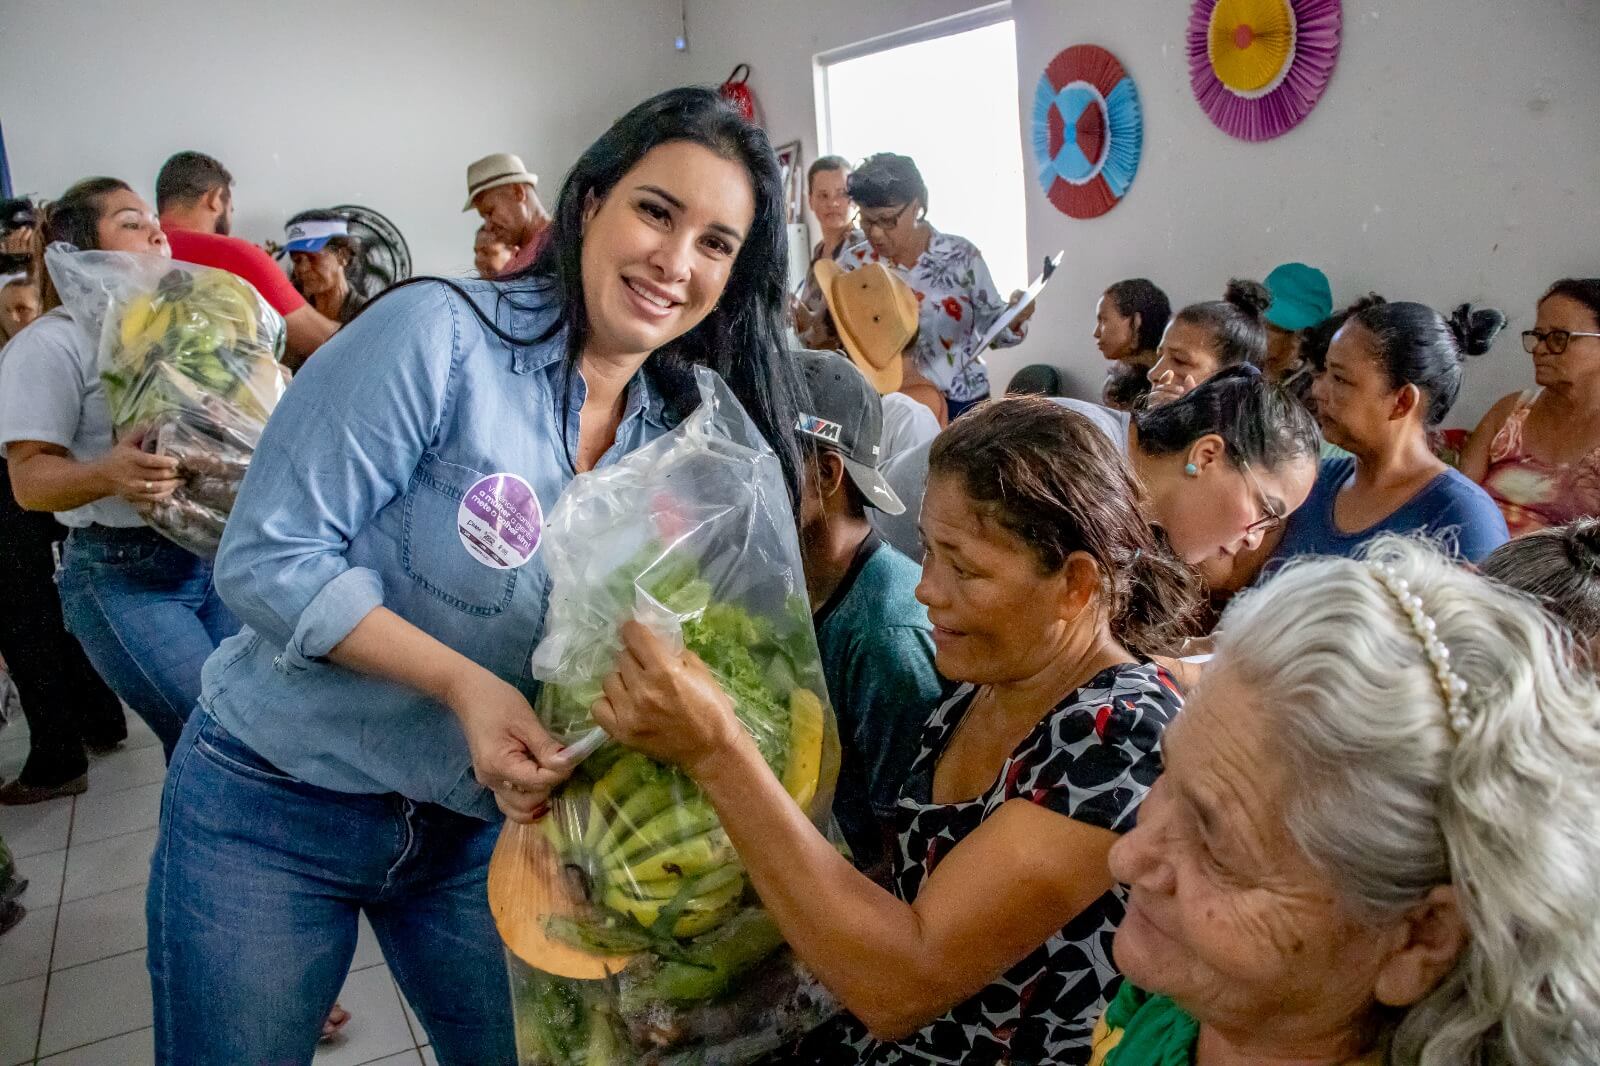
(841, 411)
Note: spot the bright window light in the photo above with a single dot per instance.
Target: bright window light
(950, 103)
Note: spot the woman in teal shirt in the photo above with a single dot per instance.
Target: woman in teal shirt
(353, 742)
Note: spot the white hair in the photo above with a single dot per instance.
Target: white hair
(1390, 802)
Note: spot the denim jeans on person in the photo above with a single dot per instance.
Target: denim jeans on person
(255, 889)
(147, 615)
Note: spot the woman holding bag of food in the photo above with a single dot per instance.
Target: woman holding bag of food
(354, 741)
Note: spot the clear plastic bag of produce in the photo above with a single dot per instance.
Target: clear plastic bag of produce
(632, 931)
(188, 357)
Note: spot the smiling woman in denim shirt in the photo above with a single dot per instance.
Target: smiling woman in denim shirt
(353, 742)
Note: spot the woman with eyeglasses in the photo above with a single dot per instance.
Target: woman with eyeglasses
(956, 294)
(1392, 373)
(1538, 452)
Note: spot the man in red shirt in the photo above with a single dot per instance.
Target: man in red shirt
(506, 197)
(194, 196)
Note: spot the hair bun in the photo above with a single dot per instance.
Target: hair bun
(1251, 297)
(1475, 328)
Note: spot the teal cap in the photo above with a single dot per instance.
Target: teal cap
(1301, 297)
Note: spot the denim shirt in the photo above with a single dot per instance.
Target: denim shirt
(351, 502)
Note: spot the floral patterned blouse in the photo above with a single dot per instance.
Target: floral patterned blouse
(1532, 493)
(1093, 759)
(958, 303)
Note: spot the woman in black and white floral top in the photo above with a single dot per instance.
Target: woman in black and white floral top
(1045, 587)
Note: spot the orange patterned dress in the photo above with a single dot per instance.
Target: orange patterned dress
(1534, 494)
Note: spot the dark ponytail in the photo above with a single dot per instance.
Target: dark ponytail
(1416, 345)
(1236, 322)
(1054, 480)
(1260, 423)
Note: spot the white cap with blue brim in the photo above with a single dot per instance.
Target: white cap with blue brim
(312, 235)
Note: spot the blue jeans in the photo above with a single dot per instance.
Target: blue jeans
(147, 615)
(255, 889)
(956, 408)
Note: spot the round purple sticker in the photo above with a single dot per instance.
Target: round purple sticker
(500, 521)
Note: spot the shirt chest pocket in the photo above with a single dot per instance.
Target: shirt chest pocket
(432, 549)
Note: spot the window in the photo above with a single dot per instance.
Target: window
(944, 94)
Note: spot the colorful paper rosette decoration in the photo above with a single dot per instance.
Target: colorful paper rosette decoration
(1259, 66)
(1088, 131)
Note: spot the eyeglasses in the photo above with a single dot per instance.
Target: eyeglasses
(1554, 341)
(882, 223)
(1270, 519)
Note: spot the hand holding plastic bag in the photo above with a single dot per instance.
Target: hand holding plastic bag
(188, 356)
(652, 946)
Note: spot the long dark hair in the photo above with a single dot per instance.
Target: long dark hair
(74, 218)
(1051, 478)
(1419, 346)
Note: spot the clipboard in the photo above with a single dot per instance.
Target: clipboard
(1009, 315)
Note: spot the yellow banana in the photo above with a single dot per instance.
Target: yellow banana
(676, 823)
(135, 317)
(667, 888)
(800, 773)
(698, 915)
(688, 858)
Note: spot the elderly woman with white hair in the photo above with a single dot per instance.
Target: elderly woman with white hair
(1374, 838)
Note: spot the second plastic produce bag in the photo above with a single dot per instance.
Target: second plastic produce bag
(640, 939)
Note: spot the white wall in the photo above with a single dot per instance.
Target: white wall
(378, 102)
(1455, 156)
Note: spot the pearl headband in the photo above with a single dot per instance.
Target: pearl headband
(1451, 687)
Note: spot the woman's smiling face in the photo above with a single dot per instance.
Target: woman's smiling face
(659, 249)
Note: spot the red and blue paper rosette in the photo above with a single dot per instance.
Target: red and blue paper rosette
(1258, 67)
(1088, 131)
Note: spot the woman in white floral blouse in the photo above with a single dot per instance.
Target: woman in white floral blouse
(957, 296)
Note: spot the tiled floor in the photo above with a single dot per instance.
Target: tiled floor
(73, 985)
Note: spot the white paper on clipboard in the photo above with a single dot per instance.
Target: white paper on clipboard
(1009, 315)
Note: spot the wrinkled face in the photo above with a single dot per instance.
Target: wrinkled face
(1223, 508)
(1188, 356)
(1355, 398)
(506, 210)
(996, 617)
(1115, 334)
(19, 305)
(1225, 914)
(320, 271)
(892, 230)
(128, 225)
(659, 249)
(830, 201)
(1580, 363)
(490, 254)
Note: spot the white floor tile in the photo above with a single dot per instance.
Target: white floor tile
(36, 828)
(107, 865)
(377, 1025)
(44, 874)
(127, 768)
(428, 1057)
(420, 1034)
(99, 927)
(25, 951)
(131, 1049)
(97, 1001)
(21, 1004)
(405, 1058)
(102, 814)
(139, 734)
(368, 953)
(13, 753)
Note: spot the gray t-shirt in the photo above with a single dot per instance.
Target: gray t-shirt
(50, 391)
(907, 423)
(907, 474)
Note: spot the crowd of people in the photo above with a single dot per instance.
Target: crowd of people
(1240, 715)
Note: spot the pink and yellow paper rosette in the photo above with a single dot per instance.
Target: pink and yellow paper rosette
(1258, 67)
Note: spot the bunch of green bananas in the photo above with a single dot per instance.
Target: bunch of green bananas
(203, 327)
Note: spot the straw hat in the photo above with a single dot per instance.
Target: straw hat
(493, 171)
(876, 315)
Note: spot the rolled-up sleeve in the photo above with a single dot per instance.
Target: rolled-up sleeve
(341, 445)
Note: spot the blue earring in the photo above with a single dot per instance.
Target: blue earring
(1190, 469)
